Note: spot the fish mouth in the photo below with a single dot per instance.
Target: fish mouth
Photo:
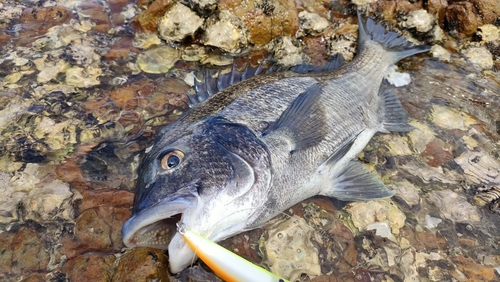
(155, 226)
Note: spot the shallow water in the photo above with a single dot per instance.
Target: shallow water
(77, 112)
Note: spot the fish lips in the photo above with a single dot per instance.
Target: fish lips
(150, 226)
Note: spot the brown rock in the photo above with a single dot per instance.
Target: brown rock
(435, 154)
(97, 15)
(460, 19)
(435, 6)
(121, 49)
(112, 198)
(28, 251)
(147, 20)
(35, 22)
(97, 229)
(487, 11)
(473, 270)
(89, 267)
(316, 50)
(6, 251)
(274, 19)
(423, 241)
(35, 277)
(142, 264)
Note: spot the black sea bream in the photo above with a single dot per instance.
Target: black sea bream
(257, 147)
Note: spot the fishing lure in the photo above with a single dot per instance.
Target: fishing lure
(226, 264)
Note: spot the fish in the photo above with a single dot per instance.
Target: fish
(248, 149)
(226, 264)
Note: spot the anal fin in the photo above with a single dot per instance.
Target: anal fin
(303, 123)
(395, 116)
(355, 183)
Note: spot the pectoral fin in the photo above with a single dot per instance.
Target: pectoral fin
(303, 123)
(355, 183)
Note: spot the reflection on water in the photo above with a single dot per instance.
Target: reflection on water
(76, 114)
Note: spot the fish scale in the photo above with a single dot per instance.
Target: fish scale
(262, 145)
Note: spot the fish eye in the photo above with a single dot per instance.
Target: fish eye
(171, 159)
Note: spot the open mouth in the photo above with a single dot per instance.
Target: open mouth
(155, 226)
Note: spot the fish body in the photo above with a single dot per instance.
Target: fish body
(254, 149)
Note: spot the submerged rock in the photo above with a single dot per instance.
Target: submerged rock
(177, 23)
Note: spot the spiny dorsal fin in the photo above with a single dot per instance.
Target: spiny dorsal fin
(303, 122)
(215, 81)
(355, 183)
(395, 116)
(334, 63)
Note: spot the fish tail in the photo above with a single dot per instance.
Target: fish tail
(399, 46)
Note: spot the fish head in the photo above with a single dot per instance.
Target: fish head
(215, 177)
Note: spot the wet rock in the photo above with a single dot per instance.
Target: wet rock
(420, 20)
(97, 229)
(365, 213)
(363, 2)
(479, 167)
(286, 51)
(177, 23)
(35, 22)
(142, 265)
(488, 11)
(89, 267)
(455, 207)
(50, 201)
(460, 19)
(83, 77)
(22, 251)
(450, 118)
(342, 40)
(227, 32)
(49, 69)
(158, 60)
(479, 56)
(488, 33)
(312, 23)
(289, 250)
(473, 270)
(440, 53)
(95, 13)
(265, 20)
(406, 191)
(146, 40)
(147, 20)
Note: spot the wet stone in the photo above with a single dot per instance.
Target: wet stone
(177, 23)
(97, 229)
(142, 265)
(460, 19)
(36, 22)
(147, 20)
(89, 267)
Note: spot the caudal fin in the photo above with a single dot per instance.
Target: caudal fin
(391, 41)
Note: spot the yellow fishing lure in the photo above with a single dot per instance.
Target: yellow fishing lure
(226, 264)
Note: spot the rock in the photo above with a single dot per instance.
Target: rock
(312, 23)
(479, 167)
(488, 33)
(289, 251)
(178, 23)
(450, 118)
(227, 33)
(28, 252)
(365, 213)
(266, 20)
(440, 53)
(455, 207)
(488, 11)
(49, 69)
(479, 56)
(142, 265)
(83, 77)
(420, 20)
(460, 19)
(50, 201)
(89, 267)
(36, 22)
(97, 229)
(147, 20)
(363, 2)
(406, 191)
(158, 60)
(286, 51)
(146, 40)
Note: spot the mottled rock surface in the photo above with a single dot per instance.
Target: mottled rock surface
(85, 85)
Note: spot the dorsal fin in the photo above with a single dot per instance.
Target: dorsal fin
(215, 81)
(334, 63)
